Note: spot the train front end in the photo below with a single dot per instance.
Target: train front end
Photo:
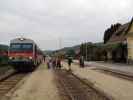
(21, 54)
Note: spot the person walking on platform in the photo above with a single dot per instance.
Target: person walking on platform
(44, 58)
(50, 64)
(58, 63)
(48, 61)
(69, 63)
(54, 63)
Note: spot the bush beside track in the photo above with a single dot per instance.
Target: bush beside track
(4, 67)
(3, 54)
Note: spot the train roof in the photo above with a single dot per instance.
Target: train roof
(24, 40)
(21, 40)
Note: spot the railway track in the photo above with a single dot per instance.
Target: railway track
(9, 81)
(72, 88)
(116, 73)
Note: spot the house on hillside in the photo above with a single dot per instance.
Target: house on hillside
(119, 47)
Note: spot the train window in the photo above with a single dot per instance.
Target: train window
(15, 46)
(27, 46)
(21, 47)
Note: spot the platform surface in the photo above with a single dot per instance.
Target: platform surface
(115, 87)
(116, 66)
(38, 86)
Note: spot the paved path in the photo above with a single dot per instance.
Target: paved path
(119, 89)
(117, 66)
(38, 86)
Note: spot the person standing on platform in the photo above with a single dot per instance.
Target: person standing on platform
(54, 63)
(48, 62)
(81, 61)
(69, 62)
(58, 63)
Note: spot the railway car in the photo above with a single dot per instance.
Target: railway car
(24, 54)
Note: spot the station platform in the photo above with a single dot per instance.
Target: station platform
(115, 66)
(39, 85)
(114, 87)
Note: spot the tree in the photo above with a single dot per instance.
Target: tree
(71, 53)
(110, 31)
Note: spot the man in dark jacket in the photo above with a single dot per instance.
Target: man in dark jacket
(69, 62)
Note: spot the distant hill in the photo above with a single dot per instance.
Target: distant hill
(47, 52)
(65, 49)
(75, 48)
(68, 51)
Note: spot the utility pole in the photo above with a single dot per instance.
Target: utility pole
(60, 46)
(60, 43)
(86, 50)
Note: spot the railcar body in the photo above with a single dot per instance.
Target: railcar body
(24, 54)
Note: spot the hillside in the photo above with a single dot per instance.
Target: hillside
(3, 47)
(66, 49)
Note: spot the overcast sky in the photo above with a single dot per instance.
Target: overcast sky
(68, 21)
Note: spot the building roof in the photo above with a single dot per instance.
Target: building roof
(121, 33)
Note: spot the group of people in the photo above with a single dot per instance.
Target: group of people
(81, 62)
(53, 63)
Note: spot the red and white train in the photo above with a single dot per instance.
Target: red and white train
(24, 54)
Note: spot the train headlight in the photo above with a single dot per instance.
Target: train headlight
(30, 58)
(10, 58)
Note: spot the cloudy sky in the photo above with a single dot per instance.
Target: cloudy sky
(60, 23)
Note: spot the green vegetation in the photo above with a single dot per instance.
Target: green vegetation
(71, 53)
(48, 52)
(110, 31)
(92, 51)
(65, 52)
(3, 47)
(3, 54)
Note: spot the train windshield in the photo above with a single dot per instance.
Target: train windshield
(21, 47)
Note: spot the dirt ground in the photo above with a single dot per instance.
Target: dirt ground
(38, 86)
